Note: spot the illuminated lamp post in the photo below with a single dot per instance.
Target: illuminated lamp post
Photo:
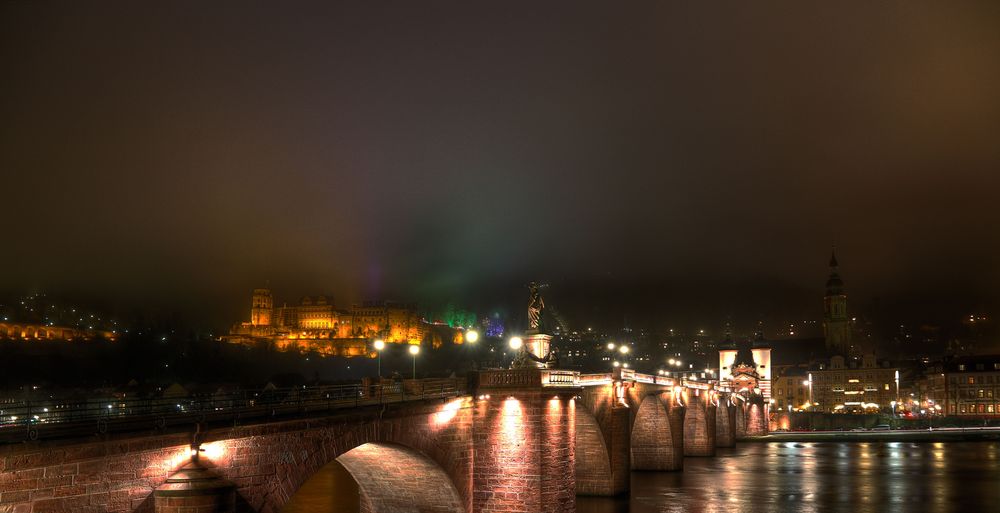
(379, 345)
(414, 350)
(471, 336)
(515, 343)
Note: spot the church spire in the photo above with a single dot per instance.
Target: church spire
(834, 285)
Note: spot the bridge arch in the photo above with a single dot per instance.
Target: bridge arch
(270, 464)
(592, 460)
(657, 434)
(388, 478)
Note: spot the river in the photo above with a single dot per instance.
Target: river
(810, 477)
(785, 477)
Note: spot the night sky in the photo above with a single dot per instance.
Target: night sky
(677, 162)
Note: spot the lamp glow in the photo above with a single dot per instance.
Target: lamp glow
(471, 336)
(516, 343)
(414, 349)
(379, 344)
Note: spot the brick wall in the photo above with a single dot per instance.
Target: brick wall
(267, 462)
(524, 453)
(105, 476)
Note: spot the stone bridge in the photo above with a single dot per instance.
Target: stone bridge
(517, 441)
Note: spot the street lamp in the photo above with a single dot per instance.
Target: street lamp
(516, 343)
(414, 350)
(611, 346)
(379, 346)
(471, 336)
(623, 349)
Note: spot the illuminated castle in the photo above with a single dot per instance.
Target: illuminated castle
(316, 325)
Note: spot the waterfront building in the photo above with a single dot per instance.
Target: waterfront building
(967, 386)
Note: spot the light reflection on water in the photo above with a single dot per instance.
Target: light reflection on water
(895, 477)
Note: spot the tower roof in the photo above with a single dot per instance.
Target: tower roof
(834, 285)
(744, 356)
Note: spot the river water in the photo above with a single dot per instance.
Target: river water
(854, 477)
(887, 477)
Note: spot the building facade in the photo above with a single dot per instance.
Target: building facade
(965, 387)
(853, 385)
(314, 324)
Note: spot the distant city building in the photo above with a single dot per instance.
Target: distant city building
(850, 386)
(833, 374)
(316, 325)
(966, 386)
(29, 331)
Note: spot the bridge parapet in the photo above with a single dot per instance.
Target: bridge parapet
(526, 378)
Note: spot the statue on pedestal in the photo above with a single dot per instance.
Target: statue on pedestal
(536, 351)
(535, 306)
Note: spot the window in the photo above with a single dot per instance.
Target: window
(972, 380)
(961, 367)
(982, 408)
(962, 409)
(981, 393)
(989, 408)
(886, 386)
(838, 388)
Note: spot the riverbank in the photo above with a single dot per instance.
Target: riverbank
(896, 435)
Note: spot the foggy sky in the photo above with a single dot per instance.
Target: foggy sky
(695, 158)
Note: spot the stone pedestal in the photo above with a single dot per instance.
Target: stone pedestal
(538, 345)
(195, 489)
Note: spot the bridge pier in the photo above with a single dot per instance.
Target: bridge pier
(756, 416)
(741, 420)
(699, 424)
(524, 438)
(725, 425)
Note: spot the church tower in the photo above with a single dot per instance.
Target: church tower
(262, 305)
(836, 325)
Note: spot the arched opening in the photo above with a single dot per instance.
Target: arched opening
(655, 442)
(378, 478)
(593, 465)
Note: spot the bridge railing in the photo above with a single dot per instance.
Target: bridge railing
(31, 420)
(527, 378)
